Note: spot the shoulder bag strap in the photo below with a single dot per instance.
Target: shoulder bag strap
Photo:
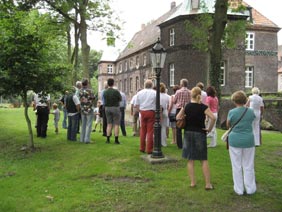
(239, 119)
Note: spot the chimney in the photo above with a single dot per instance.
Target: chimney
(172, 5)
(250, 9)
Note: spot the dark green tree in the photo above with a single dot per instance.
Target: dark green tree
(213, 32)
(30, 55)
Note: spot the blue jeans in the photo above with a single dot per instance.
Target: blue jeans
(86, 127)
(72, 127)
(64, 123)
(122, 124)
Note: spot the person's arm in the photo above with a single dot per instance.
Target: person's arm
(170, 103)
(227, 124)
(212, 119)
(248, 103)
(78, 107)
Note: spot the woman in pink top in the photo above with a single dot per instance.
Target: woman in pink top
(212, 103)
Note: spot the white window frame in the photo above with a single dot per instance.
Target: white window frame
(195, 4)
(120, 67)
(137, 62)
(171, 37)
(222, 73)
(250, 41)
(144, 60)
(130, 63)
(249, 76)
(110, 69)
(171, 74)
(126, 66)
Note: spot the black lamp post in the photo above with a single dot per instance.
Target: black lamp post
(158, 55)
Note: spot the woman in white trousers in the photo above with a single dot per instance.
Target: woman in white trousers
(241, 145)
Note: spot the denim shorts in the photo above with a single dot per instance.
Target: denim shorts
(195, 146)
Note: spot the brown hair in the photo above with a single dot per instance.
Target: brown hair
(162, 87)
(211, 91)
(175, 88)
(239, 97)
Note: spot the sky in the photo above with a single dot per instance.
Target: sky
(136, 12)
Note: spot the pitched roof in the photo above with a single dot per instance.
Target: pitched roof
(261, 20)
(150, 33)
(147, 36)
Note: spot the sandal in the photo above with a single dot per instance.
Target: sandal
(209, 188)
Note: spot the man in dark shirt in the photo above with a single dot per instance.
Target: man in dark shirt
(112, 98)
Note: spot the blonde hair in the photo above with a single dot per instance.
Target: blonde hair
(255, 90)
(239, 97)
(196, 94)
(55, 106)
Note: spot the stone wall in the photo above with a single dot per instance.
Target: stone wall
(272, 112)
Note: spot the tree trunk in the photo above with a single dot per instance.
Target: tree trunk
(85, 48)
(219, 23)
(24, 97)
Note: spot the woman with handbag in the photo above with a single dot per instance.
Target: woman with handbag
(241, 145)
(195, 136)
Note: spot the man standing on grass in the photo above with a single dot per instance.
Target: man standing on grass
(181, 98)
(73, 107)
(112, 99)
(146, 105)
(87, 114)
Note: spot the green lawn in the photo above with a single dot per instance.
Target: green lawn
(66, 176)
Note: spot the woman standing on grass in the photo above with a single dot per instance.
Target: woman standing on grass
(241, 145)
(256, 103)
(195, 136)
(212, 103)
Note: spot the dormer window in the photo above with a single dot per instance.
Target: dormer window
(195, 4)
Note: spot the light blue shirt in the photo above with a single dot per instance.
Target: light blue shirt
(241, 135)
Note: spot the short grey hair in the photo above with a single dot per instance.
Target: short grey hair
(148, 83)
(184, 82)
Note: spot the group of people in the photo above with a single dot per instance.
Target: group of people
(198, 106)
(201, 114)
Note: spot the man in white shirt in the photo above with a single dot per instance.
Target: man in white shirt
(146, 105)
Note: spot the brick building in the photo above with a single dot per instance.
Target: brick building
(253, 63)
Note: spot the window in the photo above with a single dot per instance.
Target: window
(250, 41)
(171, 74)
(110, 69)
(130, 84)
(125, 65)
(249, 79)
(222, 73)
(130, 63)
(120, 67)
(125, 86)
(194, 4)
(137, 84)
(171, 37)
(137, 62)
(100, 69)
(120, 85)
(144, 60)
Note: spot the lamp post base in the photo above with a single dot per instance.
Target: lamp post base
(164, 159)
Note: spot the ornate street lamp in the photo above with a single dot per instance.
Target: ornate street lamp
(158, 55)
